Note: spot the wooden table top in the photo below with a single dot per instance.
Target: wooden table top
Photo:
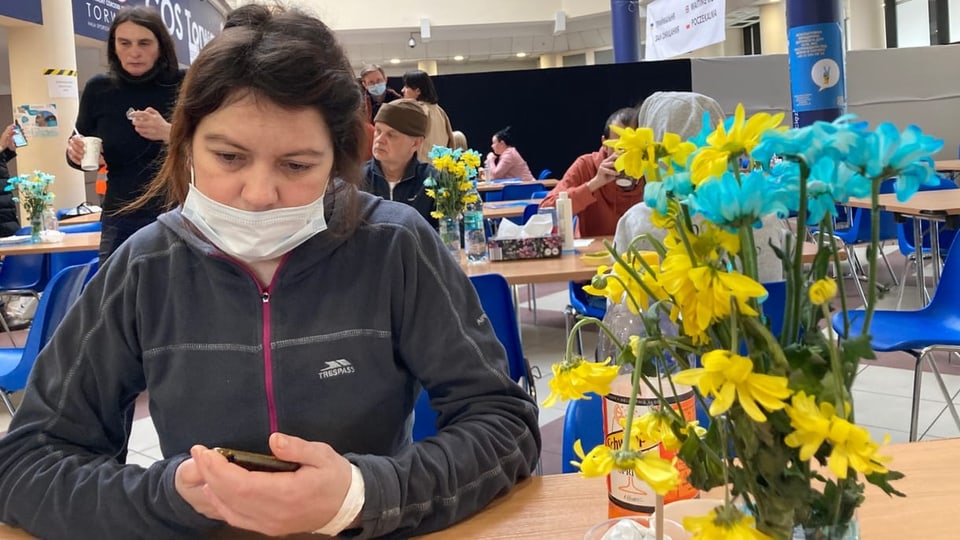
(71, 242)
(506, 209)
(566, 267)
(944, 202)
(560, 507)
(497, 185)
(947, 165)
(82, 218)
(564, 506)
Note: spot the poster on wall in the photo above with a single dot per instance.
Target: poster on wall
(191, 23)
(38, 120)
(816, 67)
(675, 28)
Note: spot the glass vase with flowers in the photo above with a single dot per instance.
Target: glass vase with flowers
(453, 187)
(32, 190)
(782, 442)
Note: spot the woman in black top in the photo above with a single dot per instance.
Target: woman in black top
(9, 222)
(127, 108)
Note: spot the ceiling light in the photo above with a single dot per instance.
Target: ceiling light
(394, 60)
(411, 42)
(521, 54)
(458, 58)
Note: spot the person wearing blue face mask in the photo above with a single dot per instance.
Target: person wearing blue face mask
(374, 80)
(257, 316)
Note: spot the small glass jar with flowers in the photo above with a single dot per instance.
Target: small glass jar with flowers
(33, 191)
(453, 186)
(782, 442)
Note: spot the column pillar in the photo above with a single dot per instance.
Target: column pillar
(550, 61)
(626, 39)
(430, 66)
(34, 49)
(773, 29)
(817, 73)
(867, 27)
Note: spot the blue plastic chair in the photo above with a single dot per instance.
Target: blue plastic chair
(59, 295)
(497, 303)
(584, 305)
(59, 261)
(544, 174)
(920, 333)
(23, 275)
(584, 421)
(859, 233)
(905, 239)
(542, 194)
(517, 192)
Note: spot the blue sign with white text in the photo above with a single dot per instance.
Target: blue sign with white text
(25, 10)
(816, 67)
(191, 23)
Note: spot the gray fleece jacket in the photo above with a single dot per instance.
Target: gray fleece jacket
(335, 350)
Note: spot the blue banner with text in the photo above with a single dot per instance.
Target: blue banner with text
(191, 23)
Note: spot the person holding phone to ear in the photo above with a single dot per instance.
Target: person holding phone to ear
(9, 222)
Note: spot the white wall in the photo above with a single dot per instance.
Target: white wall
(903, 86)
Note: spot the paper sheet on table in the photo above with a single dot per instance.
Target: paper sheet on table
(582, 242)
(538, 226)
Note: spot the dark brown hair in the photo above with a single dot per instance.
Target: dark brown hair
(167, 66)
(282, 56)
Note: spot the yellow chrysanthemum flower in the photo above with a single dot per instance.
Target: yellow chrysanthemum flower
(575, 378)
(703, 293)
(813, 425)
(710, 527)
(677, 149)
(436, 214)
(637, 149)
(722, 146)
(822, 291)
(853, 448)
(729, 377)
(617, 282)
(659, 473)
(654, 427)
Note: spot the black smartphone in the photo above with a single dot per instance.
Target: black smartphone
(18, 139)
(252, 461)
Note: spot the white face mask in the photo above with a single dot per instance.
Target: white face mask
(253, 236)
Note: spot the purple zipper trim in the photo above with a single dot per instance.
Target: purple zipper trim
(267, 352)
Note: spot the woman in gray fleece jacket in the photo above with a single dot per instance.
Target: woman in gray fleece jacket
(253, 325)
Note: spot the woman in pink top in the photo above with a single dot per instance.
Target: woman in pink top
(505, 161)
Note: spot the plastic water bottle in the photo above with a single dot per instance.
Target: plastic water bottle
(565, 220)
(474, 236)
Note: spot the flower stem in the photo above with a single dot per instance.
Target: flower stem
(635, 387)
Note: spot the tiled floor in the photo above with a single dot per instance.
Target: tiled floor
(882, 390)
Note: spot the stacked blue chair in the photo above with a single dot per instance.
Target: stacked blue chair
(920, 333)
(583, 421)
(518, 192)
(58, 296)
(906, 242)
(22, 275)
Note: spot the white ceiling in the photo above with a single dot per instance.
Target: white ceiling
(484, 43)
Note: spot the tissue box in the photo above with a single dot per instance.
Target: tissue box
(527, 248)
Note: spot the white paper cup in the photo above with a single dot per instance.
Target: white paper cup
(92, 146)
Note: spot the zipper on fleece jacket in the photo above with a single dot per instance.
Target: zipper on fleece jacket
(265, 334)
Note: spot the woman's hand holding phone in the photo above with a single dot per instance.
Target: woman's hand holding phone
(273, 503)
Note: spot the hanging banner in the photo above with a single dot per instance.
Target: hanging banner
(24, 10)
(191, 23)
(675, 28)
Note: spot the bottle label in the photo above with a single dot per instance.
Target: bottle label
(624, 489)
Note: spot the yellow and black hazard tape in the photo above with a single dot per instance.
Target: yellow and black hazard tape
(70, 72)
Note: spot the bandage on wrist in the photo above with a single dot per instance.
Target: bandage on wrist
(351, 507)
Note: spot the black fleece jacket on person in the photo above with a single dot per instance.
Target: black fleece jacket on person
(132, 161)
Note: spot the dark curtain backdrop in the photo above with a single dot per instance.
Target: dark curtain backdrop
(556, 114)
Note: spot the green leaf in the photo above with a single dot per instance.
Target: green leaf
(882, 481)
